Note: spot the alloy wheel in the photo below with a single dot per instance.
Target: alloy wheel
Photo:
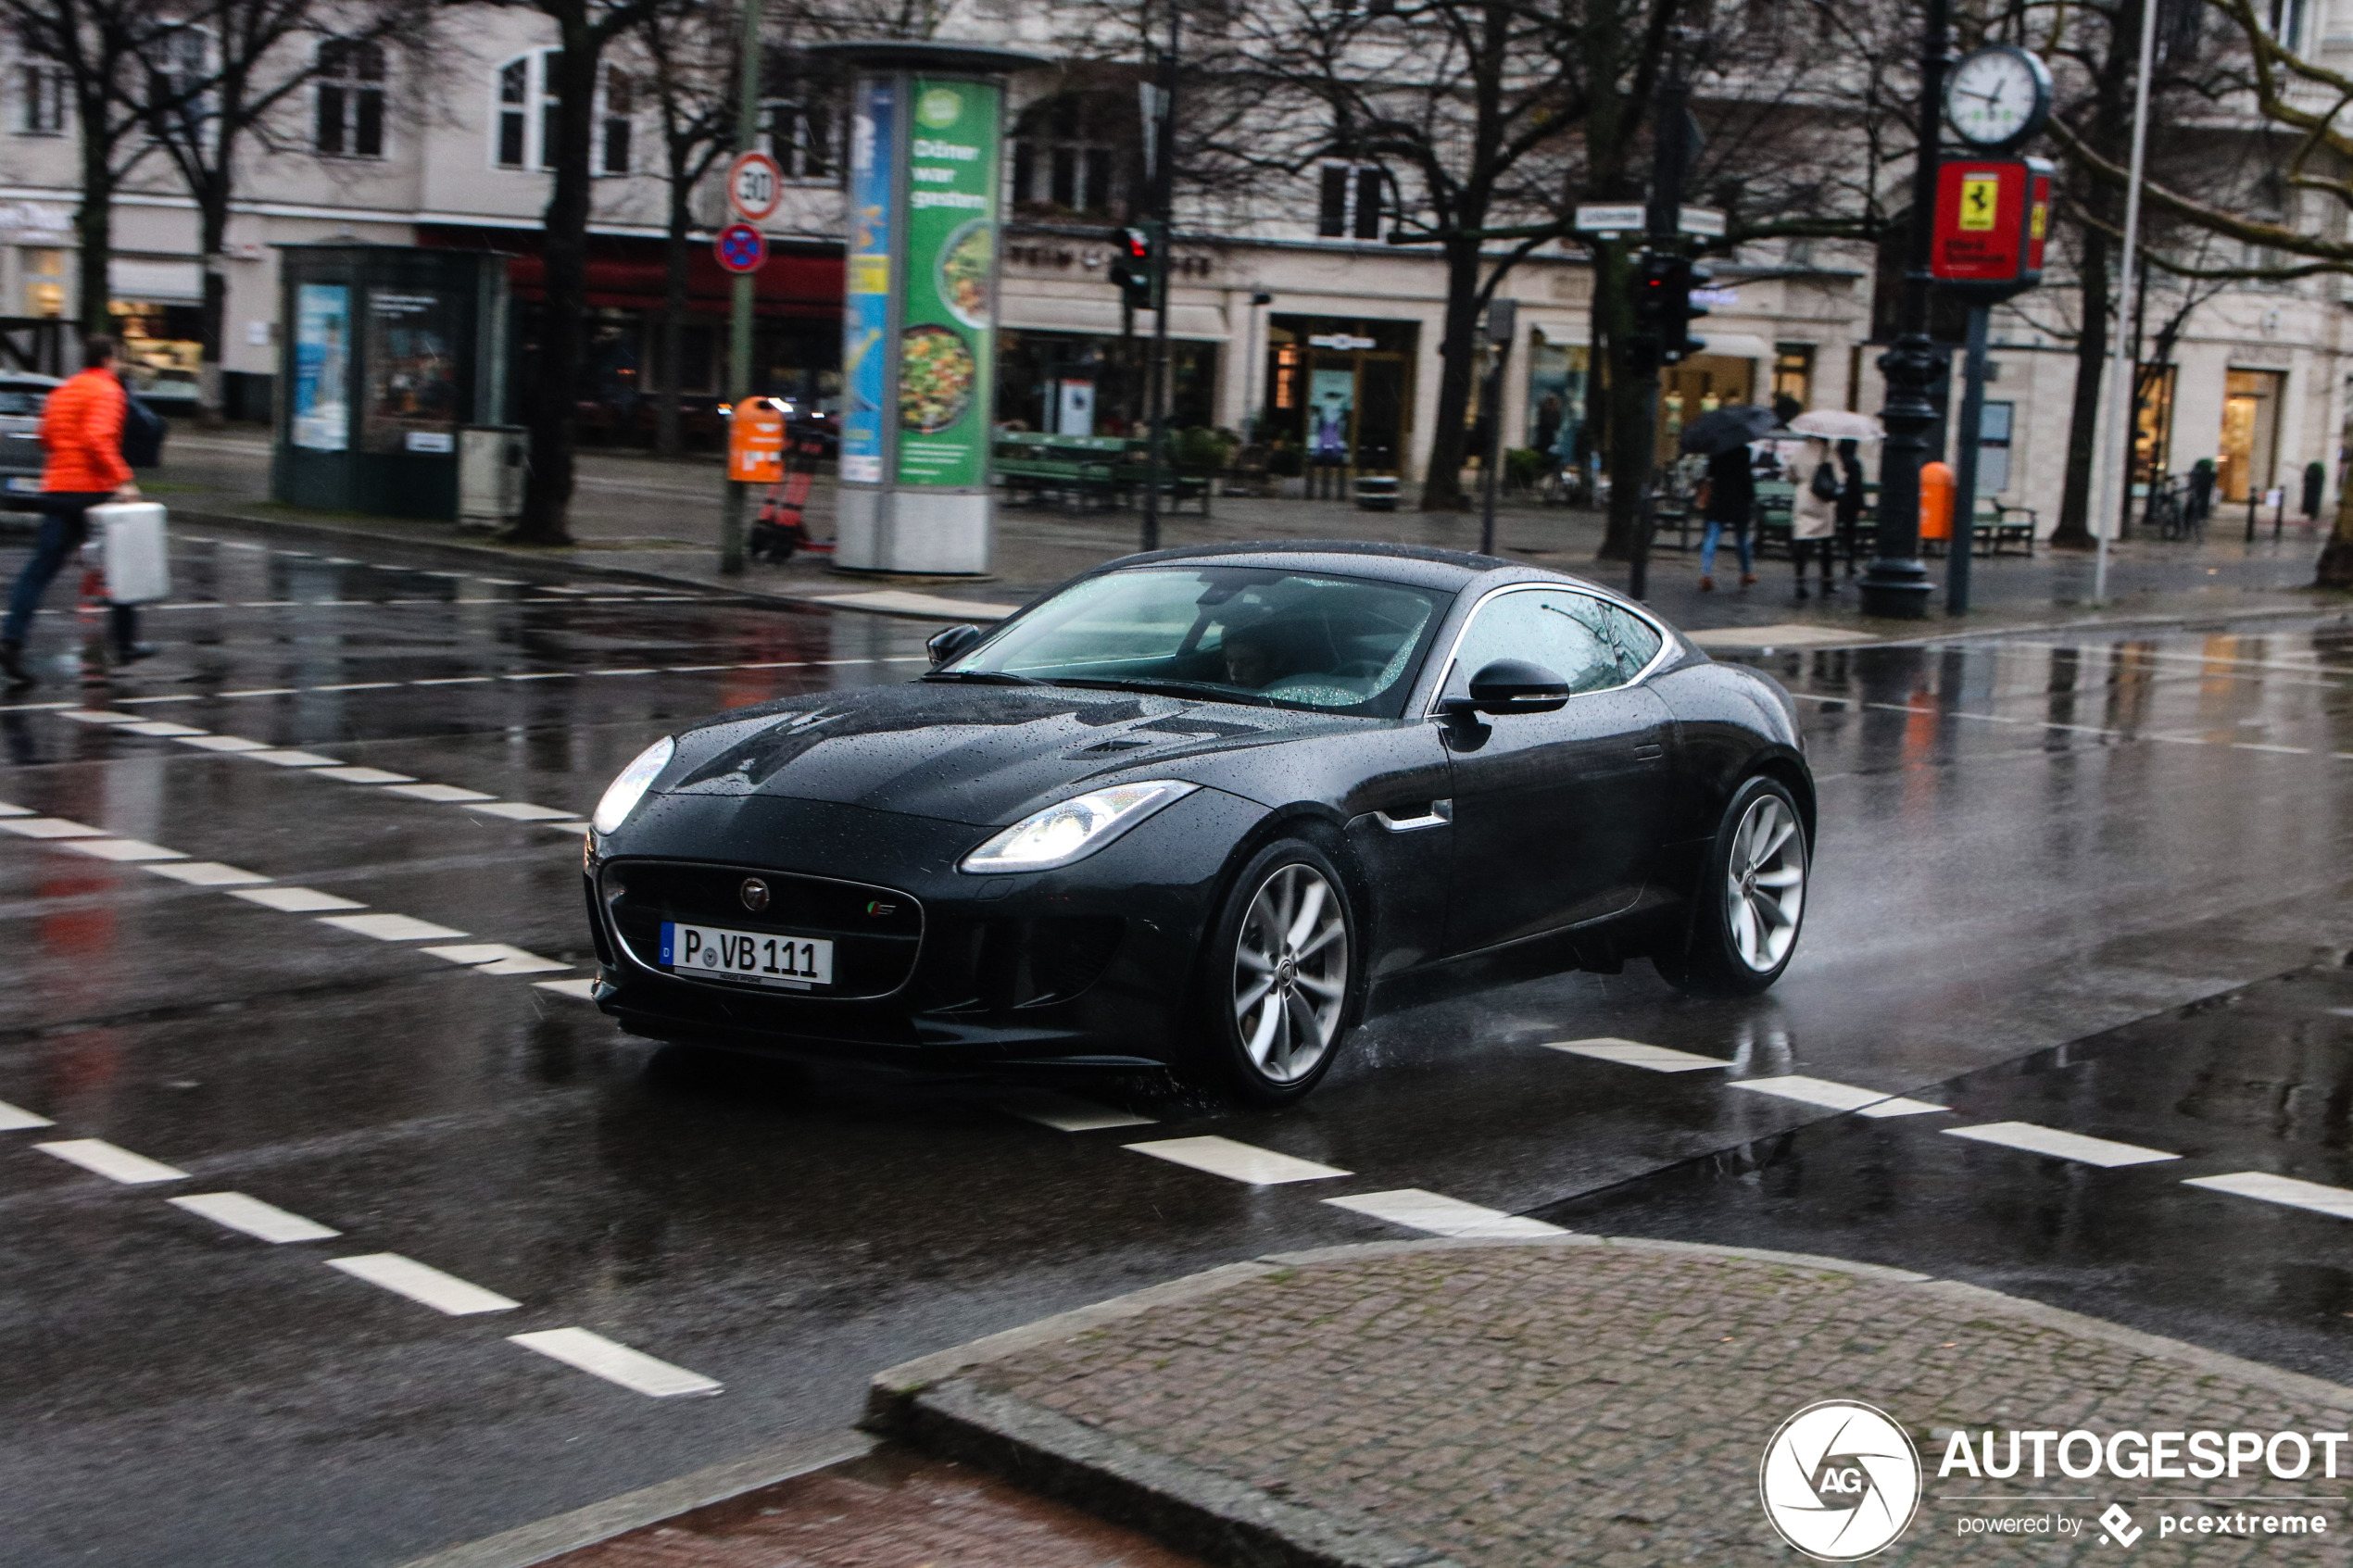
(1290, 973)
(1765, 884)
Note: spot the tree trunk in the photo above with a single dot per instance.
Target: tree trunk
(2336, 557)
(1629, 435)
(2084, 421)
(1449, 440)
(673, 319)
(211, 321)
(563, 319)
(93, 226)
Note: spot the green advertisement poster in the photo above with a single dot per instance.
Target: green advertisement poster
(948, 351)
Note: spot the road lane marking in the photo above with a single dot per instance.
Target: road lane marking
(1633, 1053)
(522, 963)
(164, 727)
(206, 873)
(362, 775)
(50, 827)
(98, 716)
(102, 1158)
(2336, 1202)
(265, 1221)
(586, 990)
(521, 811)
(1441, 1215)
(390, 928)
(8, 810)
(294, 901)
(16, 1119)
(440, 792)
(1837, 1096)
(1067, 1113)
(292, 759)
(497, 958)
(2063, 1146)
(423, 1284)
(120, 849)
(224, 743)
(599, 1357)
(1237, 1161)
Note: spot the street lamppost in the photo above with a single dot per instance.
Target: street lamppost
(1896, 583)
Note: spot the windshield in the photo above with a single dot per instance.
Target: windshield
(1341, 644)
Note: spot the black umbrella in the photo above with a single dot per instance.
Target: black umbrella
(1721, 430)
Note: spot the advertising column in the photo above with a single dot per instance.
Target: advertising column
(919, 341)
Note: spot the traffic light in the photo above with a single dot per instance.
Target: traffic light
(1663, 308)
(1132, 269)
(1678, 341)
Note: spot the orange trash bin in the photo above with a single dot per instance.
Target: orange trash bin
(1936, 501)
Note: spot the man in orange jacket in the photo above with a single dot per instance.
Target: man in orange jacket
(81, 426)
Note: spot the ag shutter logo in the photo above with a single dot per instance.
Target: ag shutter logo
(1839, 1481)
(940, 108)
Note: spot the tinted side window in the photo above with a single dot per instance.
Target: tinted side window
(1565, 631)
(1636, 640)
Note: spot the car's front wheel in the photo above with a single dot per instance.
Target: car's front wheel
(1277, 976)
(1751, 899)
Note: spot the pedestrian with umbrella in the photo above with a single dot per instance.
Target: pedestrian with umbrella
(1727, 498)
(1847, 429)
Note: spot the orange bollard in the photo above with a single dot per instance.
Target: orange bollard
(1936, 501)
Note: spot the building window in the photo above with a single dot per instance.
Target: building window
(2287, 23)
(1351, 205)
(614, 121)
(351, 99)
(1794, 373)
(1075, 156)
(48, 100)
(804, 139)
(1993, 427)
(513, 130)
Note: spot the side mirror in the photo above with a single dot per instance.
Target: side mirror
(1513, 685)
(951, 643)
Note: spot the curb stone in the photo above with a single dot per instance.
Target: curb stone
(928, 1404)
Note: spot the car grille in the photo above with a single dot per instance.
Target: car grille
(875, 931)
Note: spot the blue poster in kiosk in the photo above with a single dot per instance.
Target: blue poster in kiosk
(866, 301)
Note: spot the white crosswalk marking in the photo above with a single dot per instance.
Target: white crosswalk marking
(423, 1284)
(102, 1158)
(206, 873)
(390, 928)
(50, 827)
(1633, 1053)
(1837, 1096)
(1441, 1215)
(16, 1119)
(120, 849)
(2063, 1146)
(160, 727)
(521, 811)
(1237, 1161)
(2336, 1202)
(595, 1354)
(1067, 1113)
(265, 1221)
(294, 901)
(441, 791)
(363, 776)
(290, 758)
(586, 990)
(224, 743)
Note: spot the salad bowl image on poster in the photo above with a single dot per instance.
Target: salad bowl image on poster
(936, 378)
(967, 271)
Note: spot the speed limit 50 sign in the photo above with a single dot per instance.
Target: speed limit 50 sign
(755, 186)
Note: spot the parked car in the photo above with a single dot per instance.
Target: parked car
(1209, 809)
(22, 394)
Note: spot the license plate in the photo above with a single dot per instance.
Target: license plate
(755, 958)
(18, 486)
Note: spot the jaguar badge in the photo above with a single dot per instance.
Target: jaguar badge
(754, 893)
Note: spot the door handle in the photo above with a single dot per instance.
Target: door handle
(1649, 752)
(1440, 813)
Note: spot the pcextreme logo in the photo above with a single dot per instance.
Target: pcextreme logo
(1839, 1481)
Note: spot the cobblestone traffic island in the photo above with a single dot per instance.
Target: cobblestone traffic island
(1608, 1403)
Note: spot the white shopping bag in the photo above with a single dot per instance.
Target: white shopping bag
(127, 543)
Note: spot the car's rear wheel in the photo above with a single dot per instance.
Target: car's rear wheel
(1277, 981)
(1751, 899)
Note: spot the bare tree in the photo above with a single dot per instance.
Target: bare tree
(691, 48)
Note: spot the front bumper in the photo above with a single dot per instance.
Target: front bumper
(1087, 965)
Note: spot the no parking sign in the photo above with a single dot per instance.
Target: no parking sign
(741, 247)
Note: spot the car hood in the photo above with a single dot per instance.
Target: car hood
(981, 755)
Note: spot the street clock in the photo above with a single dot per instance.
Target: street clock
(1997, 97)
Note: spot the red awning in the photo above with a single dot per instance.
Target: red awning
(628, 274)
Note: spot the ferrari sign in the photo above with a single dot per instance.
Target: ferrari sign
(1991, 214)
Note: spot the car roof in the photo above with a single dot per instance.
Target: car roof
(1419, 565)
(29, 378)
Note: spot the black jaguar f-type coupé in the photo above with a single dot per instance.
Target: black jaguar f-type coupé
(1209, 809)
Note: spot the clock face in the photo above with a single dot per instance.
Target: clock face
(1997, 95)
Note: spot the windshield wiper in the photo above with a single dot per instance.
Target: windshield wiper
(981, 677)
(1208, 689)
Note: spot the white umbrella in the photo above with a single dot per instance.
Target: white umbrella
(1837, 424)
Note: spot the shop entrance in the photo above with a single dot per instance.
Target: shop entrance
(2249, 458)
(1339, 393)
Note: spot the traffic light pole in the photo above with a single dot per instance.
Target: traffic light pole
(1896, 585)
(739, 312)
(1162, 131)
(1670, 132)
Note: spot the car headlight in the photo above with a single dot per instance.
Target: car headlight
(623, 794)
(1074, 829)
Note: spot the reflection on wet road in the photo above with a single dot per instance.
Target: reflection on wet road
(325, 1193)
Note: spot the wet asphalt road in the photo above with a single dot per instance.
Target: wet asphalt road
(2026, 845)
